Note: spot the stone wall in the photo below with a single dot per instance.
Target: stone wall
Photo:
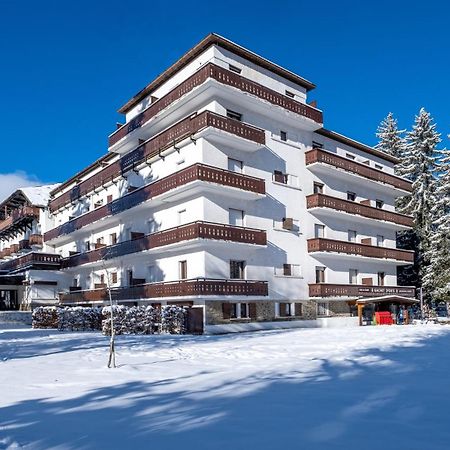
(338, 308)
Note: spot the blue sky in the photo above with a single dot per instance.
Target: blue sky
(68, 66)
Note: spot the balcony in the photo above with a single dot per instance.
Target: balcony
(152, 148)
(183, 233)
(224, 77)
(32, 260)
(325, 290)
(331, 246)
(36, 240)
(321, 161)
(24, 244)
(181, 179)
(197, 287)
(18, 221)
(331, 205)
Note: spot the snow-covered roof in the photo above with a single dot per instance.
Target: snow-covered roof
(39, 195)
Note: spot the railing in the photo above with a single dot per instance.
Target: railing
(36, 239)
(32, 259)
(18, 215)
(192, 173)
(223, 76)
(195, 230)
(194, 287)
(352, 248)
(326, 201)
(14, 248)
(356, 290)
(180, 131)
(322, 156)
(24, 244)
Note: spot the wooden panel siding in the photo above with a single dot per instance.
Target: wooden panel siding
(355, 290)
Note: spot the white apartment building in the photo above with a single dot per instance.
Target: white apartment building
(224, 192)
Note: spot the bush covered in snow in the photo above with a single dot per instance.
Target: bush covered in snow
(45, 317)
(173, 319)
(79, 318)
(131, 320)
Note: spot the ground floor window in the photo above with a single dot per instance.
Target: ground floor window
(240, 310)
(323, 309)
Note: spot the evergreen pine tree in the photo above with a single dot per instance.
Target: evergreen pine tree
(391, 140)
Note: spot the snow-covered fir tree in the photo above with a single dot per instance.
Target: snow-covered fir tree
(391, 140)
(419, 165)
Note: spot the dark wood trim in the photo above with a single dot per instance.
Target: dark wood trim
(358, 290)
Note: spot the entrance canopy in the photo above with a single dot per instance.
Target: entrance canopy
(388, 299)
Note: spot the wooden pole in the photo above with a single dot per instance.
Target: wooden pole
(360, 308)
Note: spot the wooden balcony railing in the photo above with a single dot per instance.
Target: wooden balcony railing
(194, 287)
(36, 240)
(357, 290)
(178, 132)
(18, 219)
(352, 248)
(14, 248)
(223, 76)
(192, 173)
(195, 230)
(32, 259)
(326, 201)
(24, 244)
(325, 157)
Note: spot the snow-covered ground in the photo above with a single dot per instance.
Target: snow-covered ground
(359, 388)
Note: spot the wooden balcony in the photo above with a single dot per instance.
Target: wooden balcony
(33, 260)
(36, 240)
(190, 231)
(338, 204)
(196, 172)
(195, 287)
(225, 77)
(19, 220)
(356, 290)
(339, 162)
(14, 248)
(352, 248)
(24, 244)
(152, 148)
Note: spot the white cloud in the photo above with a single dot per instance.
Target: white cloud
(9, 182)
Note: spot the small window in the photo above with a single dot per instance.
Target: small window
(234, 68)
(182, 265)
(234, 313)
(284, 309)
(109, 199)
(350, 156)
(234, 115)
(352, 236)
(319, 230)
(351, 196)
(380, 278)
(379, 204)
(318, 188)
(243, 310)
(322, 309)
(237, 270)
(316, 144)
(353, 276)
(377, 166)
(320, 274)
(366, 162)
(114, 277)
(152, 271)
(283, 136)
(234, 165)
(87, 246)
(280, 177)
(380, 240)
(113, 238)
(289, 94)
(236, 217)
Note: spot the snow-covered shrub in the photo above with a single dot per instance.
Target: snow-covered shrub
(45, 317)
(173, 319)
(79, 318)
(131, 320)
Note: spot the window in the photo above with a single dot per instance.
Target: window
(379, 204)
(234, 165)
(152, 272)
(236, 217)
(152, 226)
(380, 278)
(182, 268)
(109, 199)
(283, 135)
(353, 276)
(102, 278)
(114, 277)
(236, 310)
(352, 235)
(182, 217)
(87, 246)
(322, 309)
(234, 68)
(377, 166)
(289, 270)
(113, 238)
(130, 277)
(289, 94)
(351, 196)
(279, 177)
(380, 241)
(350, 156)
(237, 269)
(366, 162)
(319, 230)
(318, 188)
(316, 144)
(320, 274)
(287, 223)
(234, 115)
(284, 309)
(243, 310)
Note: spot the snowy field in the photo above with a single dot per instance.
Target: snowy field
(360, 388)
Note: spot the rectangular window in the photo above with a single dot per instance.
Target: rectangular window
(379, 204)
(380, 241)
(284, 309)
(350, 156)
(316, 144)
(320, 274)
(234, 313)
(234, 115)
(152, 226)
(283, 136)
(319, 230)
(298, 309)
(318, 188)
(236, 217)
(380, 278)
(114, 277)
(287, 270)
(237, 270)
(234, 68)
(352, 234)
(182, 267)
(113, 238)
(109, 199)
(377, 166)
(289, 94)
(353, 276)
(279, 177)
(322, 309)
(243, 310)
(234, 165)
(351, 196)
(87, 246)
(152, 272)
